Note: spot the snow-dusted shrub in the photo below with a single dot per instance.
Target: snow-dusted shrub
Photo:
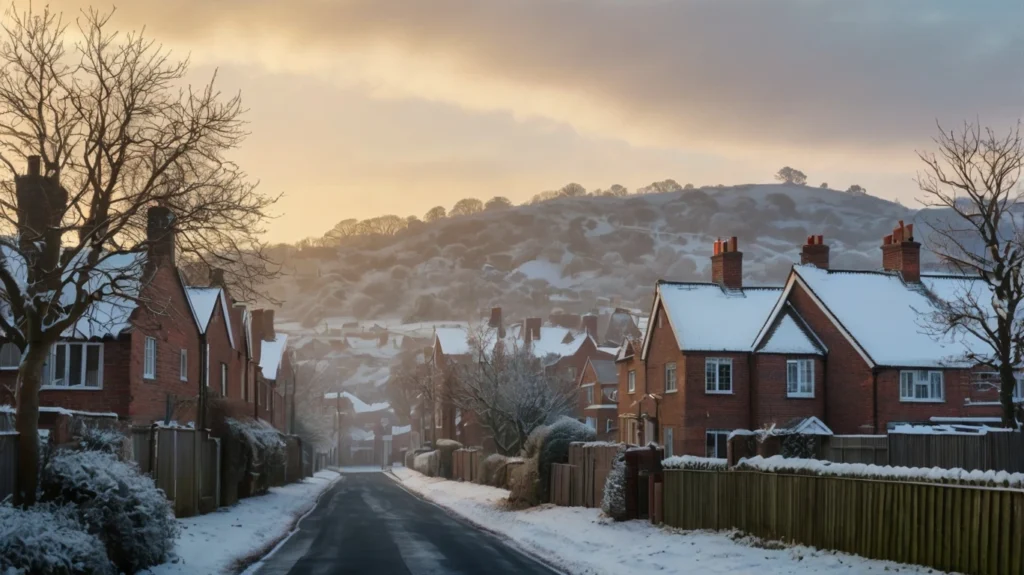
(555, 448)
(779, 464)
(494, 470)
(48, 540)
(614, 501)
(446, 449)
(249, 447)
(115, 502)
(426, 463)
(107, 440)
(695, 463)
(523, 488)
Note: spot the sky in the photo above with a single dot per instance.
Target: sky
(360, 108)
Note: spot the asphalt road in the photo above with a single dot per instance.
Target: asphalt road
(367, 524)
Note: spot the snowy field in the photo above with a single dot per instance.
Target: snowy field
(212, 543)
(580, 541)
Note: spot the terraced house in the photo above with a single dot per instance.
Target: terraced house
(850, 348)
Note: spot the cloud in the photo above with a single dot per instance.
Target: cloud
(823, 77)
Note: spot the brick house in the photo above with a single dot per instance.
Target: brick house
(140, 362)
(598, 397)
(276, 379)
(844, 347)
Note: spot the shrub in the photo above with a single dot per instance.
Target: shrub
(614, 501)
(426, 463)
(523, 490)
(693, 462)
(109, 440)
(115, 502)
(446, 448)
(47, 540)
(555, 449)
(494, 470)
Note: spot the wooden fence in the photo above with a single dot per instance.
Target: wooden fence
(972, 530)
(8, 463)
(562, 475)
(168, 455)
(870, 449)
(466, 464)
(593, 464)
(995, 450)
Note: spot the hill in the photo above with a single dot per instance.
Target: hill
(577, 253)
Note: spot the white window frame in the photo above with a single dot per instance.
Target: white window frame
(8, 352)
(670, 368)
(223, 379)
(51, 360)
(721, 435)
(911, 382)
(592, 423)
(590, 395)
(183, 365)
(669, 441)
(803, 385)
(572, 373)
(631, 381)
(149, 359)
(716, 386)
(608, 427)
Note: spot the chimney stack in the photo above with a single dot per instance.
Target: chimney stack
(41, 205)
(160, 234)
(217, 277)
(589, 323)
(815, 252)
(256, 324)
(900, 253)
(495, 320)
(268, 325)
(531, 329)
(727, 264)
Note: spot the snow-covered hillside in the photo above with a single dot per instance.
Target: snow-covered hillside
(578, 253)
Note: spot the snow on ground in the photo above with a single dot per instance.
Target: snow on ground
(210, 544)
(581, 541)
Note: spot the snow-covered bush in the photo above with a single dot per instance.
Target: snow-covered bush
(555, 448)
(107, 440)
(523, 491)
(115, 502)
(248, 448)
(695, 463)
(446, 449)
(495, 468)
(48, 540)
(426, 463)
(614, 501)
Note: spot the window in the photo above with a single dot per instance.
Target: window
(715, 444)
(592, 423)
(74, 365)
(670, 377)
(183, 367)
(921, 385)
(223, 380)
(609, 425)
(669, 440)
(718, 375)
(149, 361)
(590, 396)
(1018, 391)
(631, 381)
(10, 357)
(572, 373)
(800, 378)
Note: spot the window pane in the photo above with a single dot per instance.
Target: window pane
(75, 364)
(709, 447)
(10, 357)
(722, 445)
(60, 365)
(710, 372)
(725, 376)
(791, 377)
(92, 365)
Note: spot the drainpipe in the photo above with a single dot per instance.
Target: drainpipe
(751, 377)
(201, 423)
(874, 399)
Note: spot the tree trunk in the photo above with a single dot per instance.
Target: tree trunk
(1007, 384)
(30, 375)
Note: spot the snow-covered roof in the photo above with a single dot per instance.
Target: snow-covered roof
(707, 317)
(453, 340)
(358, 405)
(790, 337)
(553, 341)
(271, 354)
(884, 318)
(203, 300)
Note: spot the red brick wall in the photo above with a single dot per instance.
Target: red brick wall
(704, 411)
(174, 330)
(958, 388)
(770, 401)
(662, 349)
(588, 379)
(221, 351)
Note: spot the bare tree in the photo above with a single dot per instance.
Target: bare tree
(498, 203)
(856, 189)
(467, 207)
(108, 136)
(788, 175)
(975, 176)
(434, 214)
(507, 389)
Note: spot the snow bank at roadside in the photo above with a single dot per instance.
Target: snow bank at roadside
(581, 541)
(210, 544)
